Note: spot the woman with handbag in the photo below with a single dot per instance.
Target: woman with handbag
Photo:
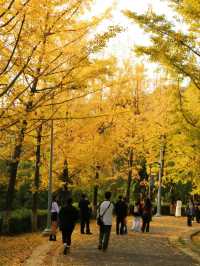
(137, 217)
(54, 219)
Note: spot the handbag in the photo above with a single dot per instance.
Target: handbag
(99, 220)
(100, 217)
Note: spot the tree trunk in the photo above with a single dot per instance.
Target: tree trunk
(13, 165)
(12, 174)
(36, 179)
(95, 195)
(129, 175)
(64, 194)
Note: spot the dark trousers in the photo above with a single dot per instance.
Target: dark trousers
(85, 222)
(66, 235)
(125, 229)
(189, 220)
(145, 224)
(120, 225)
(104, 236)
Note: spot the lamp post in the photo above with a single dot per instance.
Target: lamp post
(150, 180)
(161, 167)
(158, 213)
(95, 196)
(47, 231)
(151, 177)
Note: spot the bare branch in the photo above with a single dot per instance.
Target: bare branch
(7, 9)
(15, 46)
(19, 73)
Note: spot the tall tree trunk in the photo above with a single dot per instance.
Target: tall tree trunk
(129, 175)
(13, 165)
(64, 194)
(12, 174)
(95, 194)
(36, 179)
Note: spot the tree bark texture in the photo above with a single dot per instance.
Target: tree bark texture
(95, 195)
(12, 174)
(130, 164)
(36, 179)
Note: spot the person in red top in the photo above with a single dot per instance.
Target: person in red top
(146, 215)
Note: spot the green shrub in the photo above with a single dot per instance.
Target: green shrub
(165, 210)
(21, 221)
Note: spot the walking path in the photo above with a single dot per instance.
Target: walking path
(134, 249)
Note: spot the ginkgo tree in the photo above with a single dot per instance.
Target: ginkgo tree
(175, 48)
(55, 47)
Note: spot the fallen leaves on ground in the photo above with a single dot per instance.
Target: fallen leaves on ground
(14, 250)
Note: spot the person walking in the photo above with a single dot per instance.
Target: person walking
(125, 231)
(68, 216)
(190, 212)
(121, 213)
(54, 219)
(104, 212)
(137, 217)
(197, 212)
(85, 211)
(146, 215)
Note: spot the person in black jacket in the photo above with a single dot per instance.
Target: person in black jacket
(197, 212)
(121, 213)
(68, 216)
(125, 230)
(85, 214)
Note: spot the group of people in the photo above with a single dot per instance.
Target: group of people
(143, 215)
(192, 211)
(142, 211)
(68, 215)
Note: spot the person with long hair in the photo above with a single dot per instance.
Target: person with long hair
(146, 215)
(137, 216)
(54, 219)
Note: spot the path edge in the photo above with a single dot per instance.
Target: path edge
(185, 243)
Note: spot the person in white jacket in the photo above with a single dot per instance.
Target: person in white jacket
(105, 211)
(54, 219)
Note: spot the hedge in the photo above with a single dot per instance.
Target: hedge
(165, 210)
(21, 221)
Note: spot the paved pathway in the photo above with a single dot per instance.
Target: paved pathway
(134, 249)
